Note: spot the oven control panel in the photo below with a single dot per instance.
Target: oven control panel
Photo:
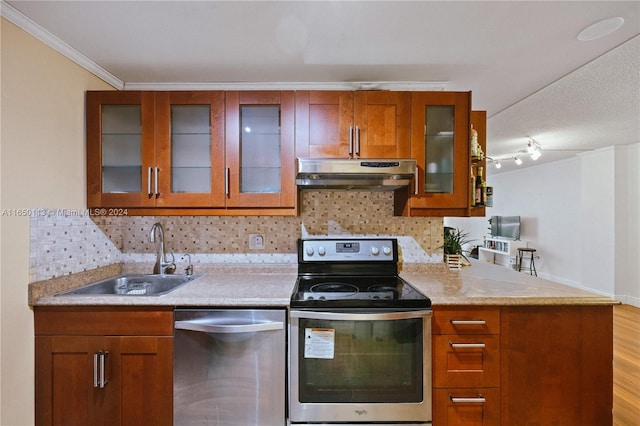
(329, 250)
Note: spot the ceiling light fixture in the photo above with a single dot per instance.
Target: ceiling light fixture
(498, 164)
(600, 29)
(517, 160)
(534, 149)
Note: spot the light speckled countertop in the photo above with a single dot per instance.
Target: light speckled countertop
(251, 285)
(488, 284)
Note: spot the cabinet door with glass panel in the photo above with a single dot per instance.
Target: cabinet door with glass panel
(260, 165)
(440, 144)
(190, 149)
(120, 148)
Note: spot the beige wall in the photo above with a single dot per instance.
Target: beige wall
(42, 164)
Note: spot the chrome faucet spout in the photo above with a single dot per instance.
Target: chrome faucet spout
(162, 266)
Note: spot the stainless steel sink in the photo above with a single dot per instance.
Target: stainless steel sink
(133, 285)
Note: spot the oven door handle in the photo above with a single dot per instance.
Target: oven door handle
(351, 316)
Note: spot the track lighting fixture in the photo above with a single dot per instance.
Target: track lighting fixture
(534, 149)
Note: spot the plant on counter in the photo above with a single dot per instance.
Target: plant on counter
(454, 240)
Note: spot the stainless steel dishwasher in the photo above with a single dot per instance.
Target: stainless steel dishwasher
(229, 367)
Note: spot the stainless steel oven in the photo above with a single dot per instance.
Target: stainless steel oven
(360, 337)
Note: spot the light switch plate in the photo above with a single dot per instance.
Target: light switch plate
(256, 241)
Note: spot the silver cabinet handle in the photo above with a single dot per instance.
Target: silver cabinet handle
(468, 322)
(156, 182)
(359, 316)
(350, 141)
(479, 399)
(95, 370)
(357, 134)
(226, 181)
(149, 182)
(99, 376)
(415, 185)
(467, 345)
(103, 357)
(210, 326)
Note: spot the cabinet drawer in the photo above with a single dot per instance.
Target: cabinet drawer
(466, 321)
(103, 321)
(468, 407)
(466, 361)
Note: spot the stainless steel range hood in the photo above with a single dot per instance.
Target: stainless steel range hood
(364, 174)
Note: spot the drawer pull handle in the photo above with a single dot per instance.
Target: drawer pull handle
(467, 345)
(479, 399)
(468, 322)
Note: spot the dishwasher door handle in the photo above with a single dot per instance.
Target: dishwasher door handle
(211, 327)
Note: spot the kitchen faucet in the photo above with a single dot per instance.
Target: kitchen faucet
(162, 266)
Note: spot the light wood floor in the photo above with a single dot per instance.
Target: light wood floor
(626, 366)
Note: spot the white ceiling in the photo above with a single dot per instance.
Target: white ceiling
(521, 59)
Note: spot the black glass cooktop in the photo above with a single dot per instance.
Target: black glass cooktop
(341, 291)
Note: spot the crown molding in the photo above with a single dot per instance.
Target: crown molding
(301, 85)
(20, 20)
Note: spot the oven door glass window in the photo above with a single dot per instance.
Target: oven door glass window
(360, 361)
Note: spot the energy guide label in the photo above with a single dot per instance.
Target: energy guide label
(319, 343)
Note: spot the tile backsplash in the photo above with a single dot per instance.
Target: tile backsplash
(64, 245)
(64, 242)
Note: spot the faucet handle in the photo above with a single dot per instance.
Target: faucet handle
(170, 267)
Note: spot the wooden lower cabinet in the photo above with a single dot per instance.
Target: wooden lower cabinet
(552, 366)
(557, 365)
(466, 366)
(123, 376)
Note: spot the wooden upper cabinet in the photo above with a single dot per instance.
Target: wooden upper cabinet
(260, 162)
(335, 124)
(440, 144)
(120, 130)
(155, 149)
(479, 122)
(190, 149)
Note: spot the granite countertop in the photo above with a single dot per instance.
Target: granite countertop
(254, 285)
(488, 284)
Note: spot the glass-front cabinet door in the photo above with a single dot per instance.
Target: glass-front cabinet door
(260, 165)
(120, 148)
(440, 144)
(190, 149)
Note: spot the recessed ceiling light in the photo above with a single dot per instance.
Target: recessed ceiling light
(600, 29)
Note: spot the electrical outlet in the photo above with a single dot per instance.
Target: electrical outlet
(256, 241)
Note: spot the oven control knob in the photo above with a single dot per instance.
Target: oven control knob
(321, 251)
(386, 250)
(309, 251)
(375, 251)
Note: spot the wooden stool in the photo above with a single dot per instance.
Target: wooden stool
(532, 263)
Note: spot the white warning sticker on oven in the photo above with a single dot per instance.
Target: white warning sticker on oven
(319, 343)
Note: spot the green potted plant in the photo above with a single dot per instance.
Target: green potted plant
(454, 240)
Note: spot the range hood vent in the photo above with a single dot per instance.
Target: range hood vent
(360, 174)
